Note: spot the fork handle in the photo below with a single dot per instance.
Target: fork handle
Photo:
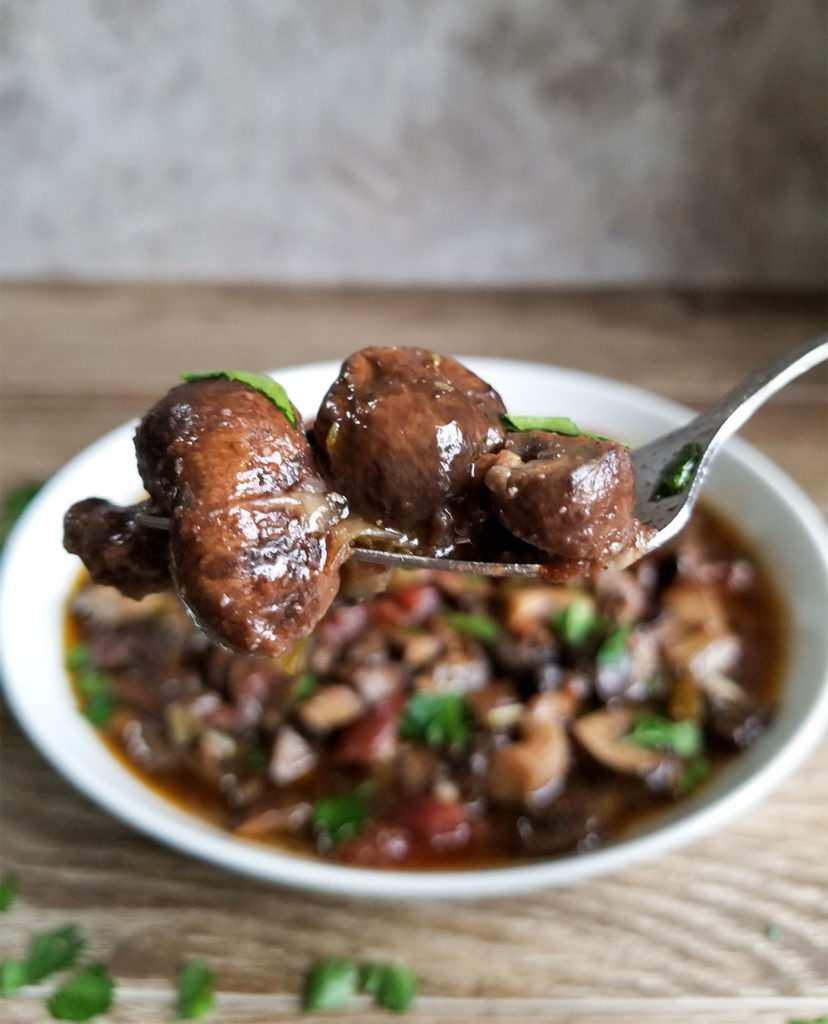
(724, 417)
(732, 410)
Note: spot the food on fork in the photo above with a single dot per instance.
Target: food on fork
(411, 451)
(399, 434)
(249, 545)
(572, 497)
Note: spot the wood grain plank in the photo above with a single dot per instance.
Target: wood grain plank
(138, 1007)
(124, 339)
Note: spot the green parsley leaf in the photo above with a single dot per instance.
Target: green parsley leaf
(306, 683)
(99, 709)
(683, 738)
(195, 991)
(773, 932)
(811, 1020)
(438, 719)
(13, 505)
(13, 975)
(331, 983)
(615, 647)
(696, 770)
(9, 887)
(481, 627)
(370, 977)
(84, 996)
(94, 687)
(552, 424)
(258, 381)
(577, 622)
(78, 658)
(339, 818)
(393, 987)
(93, 683)
(49, 952)
(678, 474)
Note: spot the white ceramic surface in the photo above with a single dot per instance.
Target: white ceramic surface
(773, 513)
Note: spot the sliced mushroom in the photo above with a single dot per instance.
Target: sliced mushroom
(330, 707)
(272, 820)
(463, 669)
(532, 769)
(497, 706)
(602, 734)
(694, 634)
(529, 607)
(292, 757)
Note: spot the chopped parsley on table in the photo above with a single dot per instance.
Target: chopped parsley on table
(48, 953)
(9, 886)
(84, 996)
(195, 991)
(332, 983)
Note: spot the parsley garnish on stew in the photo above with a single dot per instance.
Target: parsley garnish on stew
(678, 474)
(683, 738)
(482, 627)
(258, 381)
(306, 683)
(339, 818)
(696, 770)
(553, 424)
(438, 719)
(615, 647)
(577, 622)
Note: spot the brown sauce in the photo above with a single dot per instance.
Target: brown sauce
(273, 754)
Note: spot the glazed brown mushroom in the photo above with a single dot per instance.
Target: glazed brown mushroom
(398, 433)
(572, 497)
(251, 551)
(117, 549)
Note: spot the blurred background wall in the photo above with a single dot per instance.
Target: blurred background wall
(447, 142)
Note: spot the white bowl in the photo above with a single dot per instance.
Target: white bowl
(772, 513)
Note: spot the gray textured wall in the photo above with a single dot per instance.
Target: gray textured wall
(415, 141)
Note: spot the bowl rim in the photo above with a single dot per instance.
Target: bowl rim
(155, 816)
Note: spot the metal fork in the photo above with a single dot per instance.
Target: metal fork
(669, 471)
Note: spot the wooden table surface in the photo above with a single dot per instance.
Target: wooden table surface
(732, 928)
